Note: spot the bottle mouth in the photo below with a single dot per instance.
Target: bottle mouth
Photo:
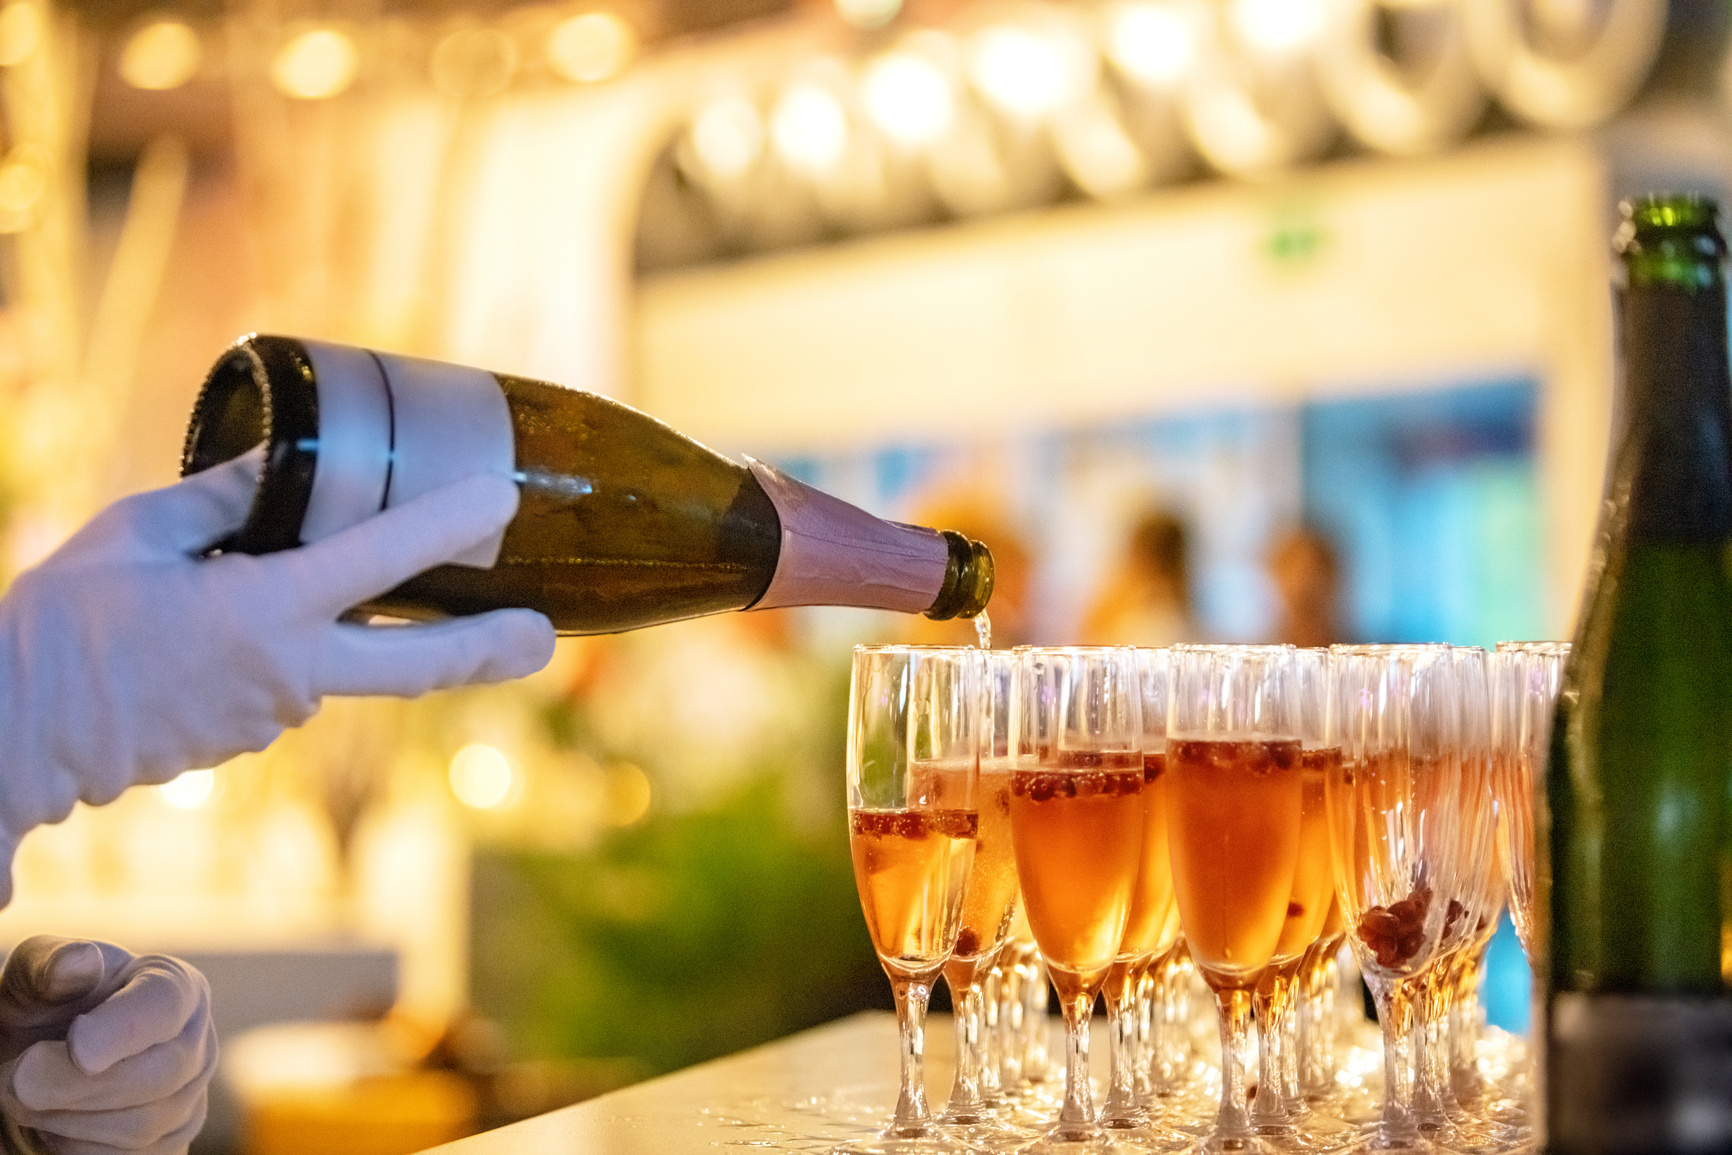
(260, 390)
(1671, 210)
(968, 579)
(1671, 240)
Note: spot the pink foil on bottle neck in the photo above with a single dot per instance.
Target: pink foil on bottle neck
(836, 554)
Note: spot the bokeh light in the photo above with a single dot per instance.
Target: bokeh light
(1099, 154)
(20, 32)
(1278, 27)
(591, 47)
(1150, 43)
(868, 14)
(908, 97)
(190, 790)
(316, 65)
(810, 128)
(482, 777)
(628, 794)
(728, 136)
(161, 55)
(474, 62)
(23, 181)
(1021, 71)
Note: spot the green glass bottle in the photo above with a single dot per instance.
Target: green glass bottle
(1638, 1020)
(623, 522)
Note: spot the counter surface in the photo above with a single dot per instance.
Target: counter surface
(803, 1093)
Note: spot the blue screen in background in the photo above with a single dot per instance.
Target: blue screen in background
(1433, 500)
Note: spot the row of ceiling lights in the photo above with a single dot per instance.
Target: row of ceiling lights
(1014, 100)
(321, 61)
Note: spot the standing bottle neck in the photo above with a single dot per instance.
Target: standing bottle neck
(1673, 475)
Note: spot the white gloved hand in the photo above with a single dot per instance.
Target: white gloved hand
(102, 1052)
(125, 658)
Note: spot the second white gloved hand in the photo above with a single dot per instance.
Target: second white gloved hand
(126, 658)
(102, 1052)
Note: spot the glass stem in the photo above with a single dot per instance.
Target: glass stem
(965, 1106)
(1034, 988)
(1269, 1109)
(1288, 1024)
(1395, 1017)
(1320, 1023)
(1465, 1026)
(1146, 1026)
(1010, 1013)
(1174, 1036)
(1120, 1109)
(991, 1043)
(1235, 1020)
(912, 1114)
(1076, 1117)
(1431, 1097)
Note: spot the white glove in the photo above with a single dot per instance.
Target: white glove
(102, 1052)
(125, 658)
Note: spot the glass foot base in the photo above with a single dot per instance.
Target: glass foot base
(990, 1134)
(893, 1141)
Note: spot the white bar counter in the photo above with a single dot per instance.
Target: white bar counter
(807, 1092)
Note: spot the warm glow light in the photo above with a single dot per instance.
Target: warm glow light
(1020, 71)
(809, 127)
(1100, 155)
(628, 794)
(1152, 43)
(1278, 26)
(868, 13)
(20, 32)
(163, 54)
(189, 791)
(728, 136)
(23, 180)
(482, 777)
(591, 47)
(908, 97)
(316, 65)
(474, 62)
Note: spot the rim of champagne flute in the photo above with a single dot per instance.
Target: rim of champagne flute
(924, 647)
(1229, 648)
(1376, 648)
(1533, 647)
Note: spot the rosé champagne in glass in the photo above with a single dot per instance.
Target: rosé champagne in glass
(913, 764)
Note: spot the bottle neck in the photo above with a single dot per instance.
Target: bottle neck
(1674, 469)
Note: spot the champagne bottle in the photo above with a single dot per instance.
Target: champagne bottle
(1638, 1021)
(622, 523)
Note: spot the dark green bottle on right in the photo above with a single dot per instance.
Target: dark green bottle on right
(1638, 793)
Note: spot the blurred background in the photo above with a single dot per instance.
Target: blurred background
(1217, 319)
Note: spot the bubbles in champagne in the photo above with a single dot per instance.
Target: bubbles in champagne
(983, 630)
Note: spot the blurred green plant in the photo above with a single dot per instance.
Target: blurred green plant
(690, 936)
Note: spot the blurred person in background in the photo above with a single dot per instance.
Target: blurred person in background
(129, 657)
(1147, 600)
(1306, 573)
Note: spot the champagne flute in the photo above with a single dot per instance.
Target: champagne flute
(1393, 716)
(1528, 676)
(1076, 814)
(1467, 897)
(1235, 792)
(1280, 1110)
(1529, 679)
(988, 909)
(1151, 931)
(913, 765)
